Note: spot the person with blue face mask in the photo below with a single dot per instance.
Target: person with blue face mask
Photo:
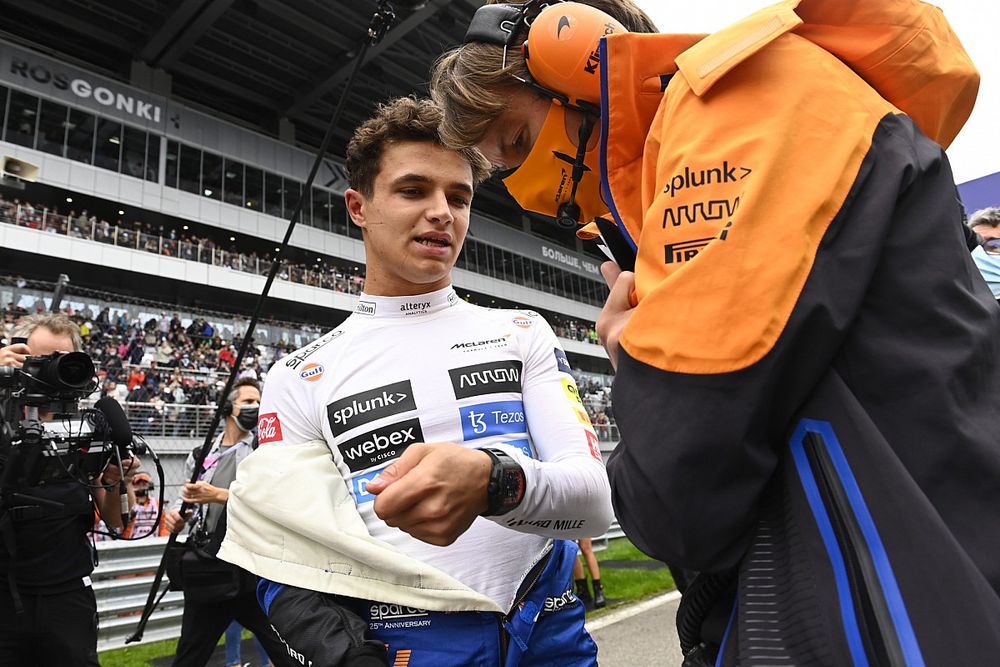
(985, 224)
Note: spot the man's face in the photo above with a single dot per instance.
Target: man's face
(416, 218)
(987, 232)
(246, 395)
(42, 342)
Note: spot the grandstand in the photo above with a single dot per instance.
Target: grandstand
(164, 202)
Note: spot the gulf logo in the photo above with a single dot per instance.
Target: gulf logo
(311, 372)
(523, 322)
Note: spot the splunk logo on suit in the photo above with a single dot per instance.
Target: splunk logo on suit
(367, 406)
(489, 378)
(380, 445)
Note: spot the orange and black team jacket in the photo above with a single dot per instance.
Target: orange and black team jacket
(808, 390)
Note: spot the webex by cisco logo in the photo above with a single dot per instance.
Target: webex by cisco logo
(490, 378)
(380, 445)
(367, 406)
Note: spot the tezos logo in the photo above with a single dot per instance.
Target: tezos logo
(268, 428)
(311, 372)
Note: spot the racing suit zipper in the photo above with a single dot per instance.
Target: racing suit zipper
(534, 574)
(875, 622)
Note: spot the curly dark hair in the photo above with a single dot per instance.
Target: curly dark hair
(402, 119)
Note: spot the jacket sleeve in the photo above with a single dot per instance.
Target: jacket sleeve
(768, 202)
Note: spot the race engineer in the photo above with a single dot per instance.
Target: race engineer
(807, 380)
(427, 455)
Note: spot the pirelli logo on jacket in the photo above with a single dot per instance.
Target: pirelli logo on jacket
(490, 378)
(367, 406)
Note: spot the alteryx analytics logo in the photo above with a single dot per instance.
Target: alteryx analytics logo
(562, 363)
(378, 446)
(488, 419)
(491, 378)
(367, 406)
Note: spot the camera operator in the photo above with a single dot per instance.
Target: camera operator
(47, 561)
(230, 593)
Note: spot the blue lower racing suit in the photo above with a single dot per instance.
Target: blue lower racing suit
(545, 627)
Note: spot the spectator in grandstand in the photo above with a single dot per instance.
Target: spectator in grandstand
(786, 364)
(597, 600)
(463, 542)
(207, 614)
(45, 555)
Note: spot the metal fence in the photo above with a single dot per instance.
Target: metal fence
(125, 574)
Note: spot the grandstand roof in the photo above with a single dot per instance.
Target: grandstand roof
(253, 60)
(258, 61)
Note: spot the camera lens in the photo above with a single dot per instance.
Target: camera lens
(73, 370)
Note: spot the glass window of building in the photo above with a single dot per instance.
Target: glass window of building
(211, 175)
(233, 183)
(273, 191)
(134, 152)
(80, 136)
(22, 117)
(108, 144)
(190, 173)
(293, 192)
(321, 209)
(153, 160)
(52, 128)
(3, 106)
(172, 164)
(339, 222)
(254, 184)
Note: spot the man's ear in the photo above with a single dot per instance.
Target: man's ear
(355, 202)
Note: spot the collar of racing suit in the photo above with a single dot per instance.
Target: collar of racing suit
(409, 307)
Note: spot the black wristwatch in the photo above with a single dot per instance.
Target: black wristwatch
(506, 488)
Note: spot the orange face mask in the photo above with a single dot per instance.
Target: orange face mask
(544, 181)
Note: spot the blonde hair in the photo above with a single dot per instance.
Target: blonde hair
(57, 323)
(402, 119)
(472, 86)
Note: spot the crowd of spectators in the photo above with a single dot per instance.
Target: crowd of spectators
(168, 241)
(164, 240)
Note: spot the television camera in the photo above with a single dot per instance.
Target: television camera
(46, 438)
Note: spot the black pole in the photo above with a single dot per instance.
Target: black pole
(380, 24)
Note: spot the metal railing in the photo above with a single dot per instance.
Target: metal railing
(121, 584)
(123, 578)
(166, 420)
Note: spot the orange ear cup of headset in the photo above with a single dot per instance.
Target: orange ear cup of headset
(561, 51)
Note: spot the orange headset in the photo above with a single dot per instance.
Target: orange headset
(561, 53)
(560, 50)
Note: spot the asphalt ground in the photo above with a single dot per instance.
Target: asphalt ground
(639, 635)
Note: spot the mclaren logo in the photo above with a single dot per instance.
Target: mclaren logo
(564, 22)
